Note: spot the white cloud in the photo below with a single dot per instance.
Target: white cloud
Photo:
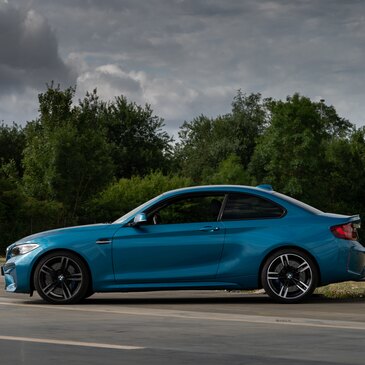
(110, 81)
(19, 106)
(170, 98)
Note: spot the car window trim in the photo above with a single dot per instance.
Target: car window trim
(253, 218)
(161, 204)
(224, 193)
(223, 207)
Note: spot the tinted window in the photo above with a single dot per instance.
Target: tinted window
(190, 209)
(300, 204)
(246, 206)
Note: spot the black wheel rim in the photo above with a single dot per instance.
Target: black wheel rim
(289, 276)
(60, 278)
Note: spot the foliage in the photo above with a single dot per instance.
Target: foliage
(21, 215)
(291, 154)
(230, 171)
(205, 142)
(67, 157)
(12, 142)
(138, 143)
(126, 194)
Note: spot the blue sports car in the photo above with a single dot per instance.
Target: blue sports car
(206, 237)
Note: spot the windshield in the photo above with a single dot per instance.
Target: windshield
(130, 214)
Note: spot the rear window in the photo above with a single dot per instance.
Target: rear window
(247, 206)
(300, 204)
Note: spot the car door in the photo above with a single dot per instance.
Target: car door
(181, 241)
(252, 224)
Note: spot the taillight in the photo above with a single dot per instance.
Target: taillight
(345, 231)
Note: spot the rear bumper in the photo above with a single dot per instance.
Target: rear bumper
(356, 262)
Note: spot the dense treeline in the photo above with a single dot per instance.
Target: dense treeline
(93, 161)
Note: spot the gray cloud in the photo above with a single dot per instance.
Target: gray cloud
(187, 57)
(29, 52)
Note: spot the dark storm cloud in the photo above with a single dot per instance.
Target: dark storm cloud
(29, 52)
(187, 57)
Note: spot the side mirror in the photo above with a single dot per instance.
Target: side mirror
(139, 219)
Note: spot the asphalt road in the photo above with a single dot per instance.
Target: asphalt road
(186, 327)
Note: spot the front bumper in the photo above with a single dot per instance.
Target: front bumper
(9, 272)
(17, 272)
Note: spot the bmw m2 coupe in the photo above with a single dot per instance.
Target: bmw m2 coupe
(207, 237)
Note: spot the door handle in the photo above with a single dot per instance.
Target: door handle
(103, 241)
(209, 229)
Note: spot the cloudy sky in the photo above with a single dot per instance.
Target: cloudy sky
(184, 57)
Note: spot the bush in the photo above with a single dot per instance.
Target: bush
(126, 194)
(21, 216)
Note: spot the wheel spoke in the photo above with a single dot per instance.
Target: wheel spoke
(284, 291)
(74, 277)
(64, 263)
(50, 287)
(300, 285)
(66, 291)
(303, 267)
(285, 260)
(48, 270)
(272, 275)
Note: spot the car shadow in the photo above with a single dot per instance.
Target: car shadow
(250, 299)
(180, 298)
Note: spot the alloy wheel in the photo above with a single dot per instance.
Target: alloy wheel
(61, 279)
(289, 276)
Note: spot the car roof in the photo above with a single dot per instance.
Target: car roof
(264, 191)
(197, 188)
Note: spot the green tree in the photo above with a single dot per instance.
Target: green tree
(291, 154)
(12, 142)
(138, 143)
(205, 143)
(67, 156)
(345, 178)
(21, 215)
(230, 171)
(126, 194)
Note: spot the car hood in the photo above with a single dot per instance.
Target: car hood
(90, 230)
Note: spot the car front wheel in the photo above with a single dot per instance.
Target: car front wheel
(61, 278)
(289, 276)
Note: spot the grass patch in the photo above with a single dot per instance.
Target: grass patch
(2, 260)
(346, 290)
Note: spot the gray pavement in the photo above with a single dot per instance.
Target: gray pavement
(181, 327)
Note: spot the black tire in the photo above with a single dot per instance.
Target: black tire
(89, 293)
(289, 276)
(61, 277)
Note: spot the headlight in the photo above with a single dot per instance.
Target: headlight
(22, 249)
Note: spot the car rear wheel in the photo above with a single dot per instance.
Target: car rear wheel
(61, 278)
(289, 276)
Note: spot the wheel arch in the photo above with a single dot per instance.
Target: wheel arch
(32, 288)
(289, 246)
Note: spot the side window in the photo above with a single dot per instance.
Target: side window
(246, 206)
(189, 209)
